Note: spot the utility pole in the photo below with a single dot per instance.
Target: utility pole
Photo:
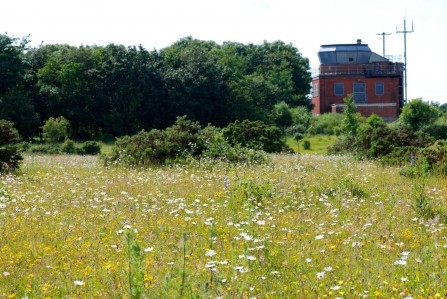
(383, 33)
(405, 53)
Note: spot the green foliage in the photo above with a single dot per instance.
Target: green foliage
(12, 63)
(55, 129)
(352, 120)
(374, 120)
(68, 147)
(91, 148)
(184, 140)
(135, 273)
(327, 124)
(50, 149)
(301, 116)
(282, 115)
(392, 145)
(10, 150)
(254, 193)
(306, 144)
(417, 113)
(436, 130)
(255, 135)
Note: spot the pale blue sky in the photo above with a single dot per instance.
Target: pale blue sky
(305, 24)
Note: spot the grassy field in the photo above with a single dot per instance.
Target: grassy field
(323, 227)
(319, 144)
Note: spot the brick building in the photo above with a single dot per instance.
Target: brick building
(374, 81)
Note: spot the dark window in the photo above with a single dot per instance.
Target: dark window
(380, 88)
(360, 92)
(351, 59)
(339, 89)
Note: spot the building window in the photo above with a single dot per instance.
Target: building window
(359, 92)
(380, 88)
(315, 90)
(339, 89)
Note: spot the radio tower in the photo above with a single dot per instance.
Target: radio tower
(405, 53)
(383, 33)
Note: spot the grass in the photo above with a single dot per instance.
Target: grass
(319, 144)
(323, 227)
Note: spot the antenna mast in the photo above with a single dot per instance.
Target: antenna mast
(383, 34)
(405, 53)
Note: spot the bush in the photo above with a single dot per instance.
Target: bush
(68, 147)
(50, 149)
(437, 131)
(390, 145)
(255, 135)
(328, 124)
(10, 149)
(184, 140)
(55, 129)
(90, 148)
(306, 144)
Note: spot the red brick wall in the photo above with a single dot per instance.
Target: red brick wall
(323, 103)
(316, 100)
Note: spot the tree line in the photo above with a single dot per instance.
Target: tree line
(116, 90)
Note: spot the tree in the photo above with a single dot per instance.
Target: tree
(55, 128)
(352, 119)
(418, 113)
(12, 63)
(283, 115)
(15, 105)
(10, 154)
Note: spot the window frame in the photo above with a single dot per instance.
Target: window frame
(376, 86)
(342, 89)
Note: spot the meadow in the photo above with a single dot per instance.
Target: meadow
(317, 227)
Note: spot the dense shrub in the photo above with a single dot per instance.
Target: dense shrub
(55, 129)
(49, 149)
(90, 148)
(185, 139)
(437, 130)
(390, 145)
(68, 147)
(435, 156)
(306, 144)
(10, 149)
(255, 135)
(328, 124)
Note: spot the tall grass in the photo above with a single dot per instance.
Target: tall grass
(323, 227)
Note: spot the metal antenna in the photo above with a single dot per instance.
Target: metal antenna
(405, 53)
(383, 33)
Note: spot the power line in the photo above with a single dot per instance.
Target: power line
(405, 53)
(383, 33)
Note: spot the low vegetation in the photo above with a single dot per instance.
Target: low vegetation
(323, 227)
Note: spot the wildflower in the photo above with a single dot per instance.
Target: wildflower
(328, 269)
(210, 252)
(405, 254)
(78, 283)
(320, 275)
(400, 262)
(404, 279)
(6, 273)
(149, 249)
(335, 288)
(319, 237)
(308, 260)
(251, 258)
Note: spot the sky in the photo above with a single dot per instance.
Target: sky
(305, 24)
